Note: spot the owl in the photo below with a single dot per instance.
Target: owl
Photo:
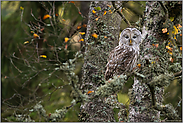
(123, 58)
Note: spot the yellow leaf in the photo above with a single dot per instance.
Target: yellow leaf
(66, 39)
(110, 11)
(171, 18)
(174, 37)
(104, 13)
(35, 35)
(94, 35)
(164, 30)
(46, 16)
(43, 56)
(93, 11)
(181, 48)
(26, 42)
(175, 30)
(82, 33)
(81, 39)
(63, 19)
(22, 8)
(153, 62)
(139, 65)
(169, 48)
(170, 52)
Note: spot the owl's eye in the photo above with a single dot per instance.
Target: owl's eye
(126, 36)
(134, 36)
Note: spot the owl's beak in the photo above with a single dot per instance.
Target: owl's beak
(130, 42)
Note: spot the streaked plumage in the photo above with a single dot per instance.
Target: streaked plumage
(123, 58)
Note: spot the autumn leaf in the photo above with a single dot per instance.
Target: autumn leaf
(97, 18)
(164, 30)
(169, 48)
(82, 33)
(105, 36)
(181, 48)
(22, 8)
(78, 27)
(84, 25)
(171, 59)
(170, 53)
(153, 62)
(42, 29)
(93, 11)
(66, 39)
(156, 45)
(81, 39)
(171, 18)
(139, 65)
(90, 92)
(104, 13)
(179, 26)
(46, 16)
(35, 35)
(110, 11)
(66, 46)
(56, 14)
(175, 30)
(109, 6)
(71, 2)
(94, 35)
(43, 56)
(26, 42)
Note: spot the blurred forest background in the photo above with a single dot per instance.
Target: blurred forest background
(29, 74)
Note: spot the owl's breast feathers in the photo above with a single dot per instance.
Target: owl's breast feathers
(121, 59)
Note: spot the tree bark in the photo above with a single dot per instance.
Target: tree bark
(145, 97)
(107, 29)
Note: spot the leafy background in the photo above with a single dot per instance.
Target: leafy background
(14, 32)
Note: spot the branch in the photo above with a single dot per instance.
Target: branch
(112, 86)
(168, 111)
(178, 74)
(121, 14)
(164, 9)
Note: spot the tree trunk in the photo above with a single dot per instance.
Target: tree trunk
(146, 96)
(102, 35)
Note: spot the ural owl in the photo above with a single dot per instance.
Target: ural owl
(122, 59)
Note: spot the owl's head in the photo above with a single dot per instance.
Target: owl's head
(130, 37)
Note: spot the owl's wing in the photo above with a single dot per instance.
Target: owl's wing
(119, 61)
